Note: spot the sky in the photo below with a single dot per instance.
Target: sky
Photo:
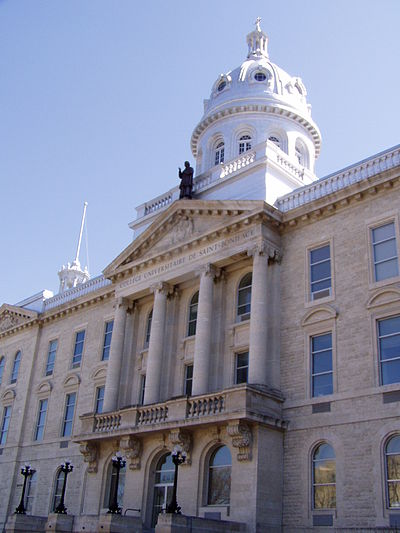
(99, 98)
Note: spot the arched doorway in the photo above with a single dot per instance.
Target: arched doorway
(163, 485)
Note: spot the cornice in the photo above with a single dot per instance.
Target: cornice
(257, 108)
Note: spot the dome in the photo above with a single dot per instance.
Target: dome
(261, 87)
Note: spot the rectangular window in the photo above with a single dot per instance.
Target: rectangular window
(107, 340)
(321, 365)
(68, 414)
(320, 272)
(242, 367)
(142, 388)
(188, 380)
(385, 252)
(5, 425)
(51, 357)
(99, 399)
(389, 349)
(78, 349)
(41, 420)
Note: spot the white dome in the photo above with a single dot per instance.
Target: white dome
(258, 86)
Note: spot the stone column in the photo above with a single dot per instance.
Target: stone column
(258, 353)
(156, 344)
(115, 359)
(204, 323)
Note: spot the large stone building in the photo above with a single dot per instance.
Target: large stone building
(256, 325)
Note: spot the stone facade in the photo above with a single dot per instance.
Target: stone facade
(202, 359)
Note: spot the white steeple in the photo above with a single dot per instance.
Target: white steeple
(72, 274)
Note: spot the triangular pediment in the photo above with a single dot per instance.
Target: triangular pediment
(183, 222)
(12, 316)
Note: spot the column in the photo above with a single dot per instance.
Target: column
(115, 359)
(259, 318)
(202, 345)
(156, 344)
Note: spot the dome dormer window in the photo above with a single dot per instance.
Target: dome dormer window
(219, 153)
(221, 86)
(260, 76)
(244, 144)
(275, 140)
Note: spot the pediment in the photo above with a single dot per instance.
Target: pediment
(387, 295)
(183, 222)
(99, 374)
(8, 396)
(72, 381)
(12, 316)
(319, 314)
(44, 388)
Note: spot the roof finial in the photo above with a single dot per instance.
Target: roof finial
(257, 23)
(257, 42)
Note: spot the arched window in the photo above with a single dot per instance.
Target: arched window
(163, 485)
(2, 363)
(110, 485)
(30, 492)
(192, 320)
(275, 140)
(58, 488)
(219, 153)
(300, 153)
(148, 329)
(219, 477)
(324, 477)
(14, 373)
(244, 297)
(392, 460)
(244, 143)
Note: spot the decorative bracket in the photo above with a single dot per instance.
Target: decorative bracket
(89, 452)
(132, 449)
(241, 438)
(182, 438)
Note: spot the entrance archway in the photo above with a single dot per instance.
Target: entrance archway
(163, 485)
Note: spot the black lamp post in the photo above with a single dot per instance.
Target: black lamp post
(178, 457)
(26, 471)
(118, 462)
(67, 468)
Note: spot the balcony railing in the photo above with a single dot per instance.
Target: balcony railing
(243, 401)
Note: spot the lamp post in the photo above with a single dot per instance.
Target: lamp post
(67, 468)
(26, 471)
(178, 457)
(118, 462)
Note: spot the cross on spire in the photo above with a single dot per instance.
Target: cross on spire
(257, 23)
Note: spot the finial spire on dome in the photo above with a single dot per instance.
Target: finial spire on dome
(257, 42)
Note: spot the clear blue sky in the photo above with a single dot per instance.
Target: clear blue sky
(99, 99)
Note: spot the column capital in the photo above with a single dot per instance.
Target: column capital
(267, 250)
(121, 302)
(161, 287)
(208, 270)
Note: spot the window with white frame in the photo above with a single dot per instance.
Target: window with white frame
(2, 364)
(219, 477)
(321, 365)
(244, 297)
(275, 140)
(107, 340)
(241, 367)
(51, 357)
(5, 424)
(392, 472)
(219, 155)
(99, 399)
(142, 388)
(15, 369)
(41, 419)
(384, 252)
(68, 414)
(148, 329)
(244, 143)
(324, 477)
(78, 348)
(192, 319)
(188, 380)
(320, 272)
(389, 350)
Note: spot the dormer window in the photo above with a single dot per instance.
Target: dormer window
(221, 86)
(244, 143)
(275, 140)
(219, 153)
(260, 76)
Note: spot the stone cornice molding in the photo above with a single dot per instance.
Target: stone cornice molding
(305, 121)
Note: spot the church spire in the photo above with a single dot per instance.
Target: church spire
(72, 274)
(257, 42)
